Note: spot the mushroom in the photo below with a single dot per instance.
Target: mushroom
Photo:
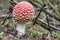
(23, 12)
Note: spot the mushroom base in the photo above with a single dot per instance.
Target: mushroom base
(21, 29)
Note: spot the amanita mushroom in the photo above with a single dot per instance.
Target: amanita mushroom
(23, 12)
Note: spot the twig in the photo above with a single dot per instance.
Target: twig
(12, 2)
(44, 24)
(29, 36)
(48, 22)
(53, 7)
(10, 10)
(38, 14)
(47, 12)
(33, 3)
(4, 21)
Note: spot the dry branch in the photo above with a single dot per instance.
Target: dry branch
(44, 25)
(47, 12)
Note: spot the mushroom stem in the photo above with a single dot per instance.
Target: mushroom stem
(21, 29)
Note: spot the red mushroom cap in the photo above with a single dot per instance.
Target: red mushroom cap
(23, 12)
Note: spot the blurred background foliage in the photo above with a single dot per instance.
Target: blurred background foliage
(38, 33)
